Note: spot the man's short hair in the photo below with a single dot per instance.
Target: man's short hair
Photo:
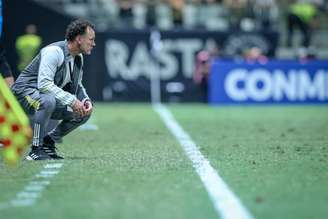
(77, 27)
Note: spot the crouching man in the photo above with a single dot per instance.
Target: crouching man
(50, 87)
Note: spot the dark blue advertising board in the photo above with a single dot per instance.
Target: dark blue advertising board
(129, 64)
(286, 82)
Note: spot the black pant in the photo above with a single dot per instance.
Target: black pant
(5, 69)
(43, 107)
(294, 22)
(204, 89)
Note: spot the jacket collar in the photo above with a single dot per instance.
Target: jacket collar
(68, 56)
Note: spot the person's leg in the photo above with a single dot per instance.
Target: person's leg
(39, 108)
(70, 121)
(51, 125)
(42, 118)
(204, 88)
(306, 32)
(290, 29)
(5, 69)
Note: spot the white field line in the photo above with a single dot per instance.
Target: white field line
(33, 190)
(226, 203)
(90, 125)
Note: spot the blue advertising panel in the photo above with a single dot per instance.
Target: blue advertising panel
(290, 82)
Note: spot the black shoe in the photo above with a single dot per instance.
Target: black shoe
(50, 148)
(51, 152)
(37, 153)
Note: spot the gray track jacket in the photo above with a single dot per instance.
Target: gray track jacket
(52, 72)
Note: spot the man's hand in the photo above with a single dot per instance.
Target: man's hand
(79, 108)
(87, 106)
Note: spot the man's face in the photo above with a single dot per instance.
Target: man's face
(87, 41)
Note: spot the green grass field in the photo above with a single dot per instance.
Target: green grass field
(275, 160)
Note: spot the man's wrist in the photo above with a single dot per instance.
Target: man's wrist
(86, 100)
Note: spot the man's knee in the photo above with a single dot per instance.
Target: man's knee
(85, 119)
(82, 120)
(48, 102)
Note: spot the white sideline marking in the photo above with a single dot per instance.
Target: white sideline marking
(33, 190)
(225, 201)
(89, 125)
(53, 165)
(44, 183)
(21, 202)
(4, 206)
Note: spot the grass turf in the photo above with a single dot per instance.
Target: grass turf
(274, 159)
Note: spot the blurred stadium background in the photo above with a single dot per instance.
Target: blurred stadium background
(121, 65)
(267, 134)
